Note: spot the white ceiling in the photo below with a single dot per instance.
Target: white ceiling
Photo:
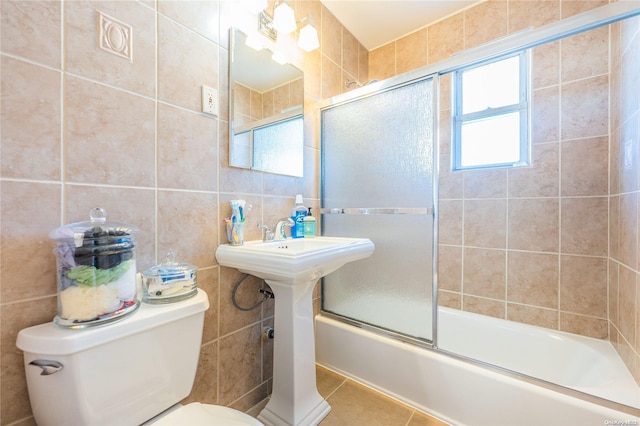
(378, 22)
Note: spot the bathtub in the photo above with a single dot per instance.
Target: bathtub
(463, 392)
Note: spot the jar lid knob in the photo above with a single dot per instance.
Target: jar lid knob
(98, 215)
(171, 256)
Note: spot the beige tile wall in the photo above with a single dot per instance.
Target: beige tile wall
(247, 104)
(82, 128)
(624, 202)
(252, 105)
(555, 244)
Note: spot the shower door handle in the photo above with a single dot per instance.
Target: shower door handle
(378, 210)
(48, 367)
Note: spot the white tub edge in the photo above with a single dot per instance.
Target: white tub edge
(455, 391)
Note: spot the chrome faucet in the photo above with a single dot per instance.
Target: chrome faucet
(268, 235)
(279, 233)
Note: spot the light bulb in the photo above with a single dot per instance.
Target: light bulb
(284, 20)
(308, 38)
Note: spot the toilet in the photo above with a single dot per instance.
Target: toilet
(130, 372)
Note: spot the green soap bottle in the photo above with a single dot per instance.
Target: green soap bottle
(309, 225)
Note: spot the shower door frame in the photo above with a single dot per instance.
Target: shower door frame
(359, 94)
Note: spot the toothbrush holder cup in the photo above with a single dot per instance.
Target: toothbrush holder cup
(235, 233)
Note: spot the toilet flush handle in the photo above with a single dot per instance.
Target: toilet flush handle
(48, 367)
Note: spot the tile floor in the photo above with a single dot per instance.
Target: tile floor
(353, 404)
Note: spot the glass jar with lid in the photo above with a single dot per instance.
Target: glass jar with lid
(96, 271)
(170, 281)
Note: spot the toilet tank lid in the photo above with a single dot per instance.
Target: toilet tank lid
(49, 339)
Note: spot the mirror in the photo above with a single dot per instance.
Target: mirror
(266, 110)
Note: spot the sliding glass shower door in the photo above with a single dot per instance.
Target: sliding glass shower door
(377, 182)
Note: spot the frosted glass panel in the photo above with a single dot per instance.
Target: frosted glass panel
(277, 147)
(378, 153)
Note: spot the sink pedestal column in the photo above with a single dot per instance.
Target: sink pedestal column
(295, 400)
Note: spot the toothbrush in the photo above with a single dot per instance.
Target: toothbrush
(238, 209)
(234, 231)
(244, 211)
(235, 210)
(241, 204)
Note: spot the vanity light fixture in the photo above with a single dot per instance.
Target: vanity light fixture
(265, 26)
(271, 27)
(284, 20)
(308, 37)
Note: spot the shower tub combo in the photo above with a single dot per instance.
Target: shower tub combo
(472, 392)
(380, 181)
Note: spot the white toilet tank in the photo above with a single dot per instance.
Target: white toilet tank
(123, 373)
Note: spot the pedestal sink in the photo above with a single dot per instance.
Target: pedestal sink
(292, 267)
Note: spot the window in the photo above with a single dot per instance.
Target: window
(491, 114)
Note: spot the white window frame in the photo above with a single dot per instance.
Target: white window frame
(458, 119)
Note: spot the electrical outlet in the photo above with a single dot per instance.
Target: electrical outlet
(209, 100)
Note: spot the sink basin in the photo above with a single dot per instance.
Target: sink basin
(297, 260)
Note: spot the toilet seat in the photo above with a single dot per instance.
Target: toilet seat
(197, 414)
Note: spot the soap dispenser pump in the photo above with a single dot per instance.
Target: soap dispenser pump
(309, 225)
